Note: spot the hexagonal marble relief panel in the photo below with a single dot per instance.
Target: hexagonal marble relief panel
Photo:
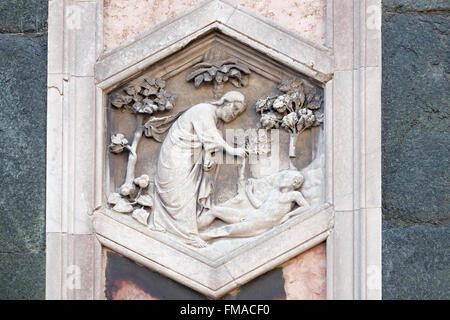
(215, 169)
(90, 115)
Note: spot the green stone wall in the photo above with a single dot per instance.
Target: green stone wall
(23, 77)
(416, 149)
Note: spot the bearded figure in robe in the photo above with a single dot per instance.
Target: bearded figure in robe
(184, 178)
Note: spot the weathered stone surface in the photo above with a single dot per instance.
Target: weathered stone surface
(416, 115)
(22, 128)
(416, 263)
(302, 277)
(126, 280)
(22, 276)
(23, 16)
(269, 286)
(416, 5)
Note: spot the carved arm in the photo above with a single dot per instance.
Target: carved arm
(253, 200)
(302, 203)
(300, 200)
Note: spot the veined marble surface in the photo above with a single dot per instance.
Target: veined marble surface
(124, 19)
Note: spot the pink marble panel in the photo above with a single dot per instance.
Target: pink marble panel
(305, 275)
(124, 19)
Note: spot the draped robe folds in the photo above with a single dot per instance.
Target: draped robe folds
(183, 189)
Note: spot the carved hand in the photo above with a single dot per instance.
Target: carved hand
(240, 152)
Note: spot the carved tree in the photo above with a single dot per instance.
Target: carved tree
(295, 108)
(217, 70)
(144, 99)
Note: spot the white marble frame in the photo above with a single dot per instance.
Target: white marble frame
(351, 57)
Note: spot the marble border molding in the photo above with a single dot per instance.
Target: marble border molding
(79, 76)
(73, 253)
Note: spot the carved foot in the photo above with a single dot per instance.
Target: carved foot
(197, 242)
(157, 228)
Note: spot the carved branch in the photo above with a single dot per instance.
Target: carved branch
(292, 141)
(132, 158)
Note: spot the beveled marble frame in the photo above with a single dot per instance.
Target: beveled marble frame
(79, 74)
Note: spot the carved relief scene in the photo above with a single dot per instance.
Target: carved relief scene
(214, 148)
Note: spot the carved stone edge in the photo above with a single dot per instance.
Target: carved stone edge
(72, 121)
(354, 268)
(311, 59)
(215, 281)
(193, 252)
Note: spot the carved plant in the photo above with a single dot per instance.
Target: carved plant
(127, 202)
(295, 108)
(217, 70)
(144, 99)
(118, 143)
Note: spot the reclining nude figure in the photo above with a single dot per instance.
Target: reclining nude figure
(274, 210)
